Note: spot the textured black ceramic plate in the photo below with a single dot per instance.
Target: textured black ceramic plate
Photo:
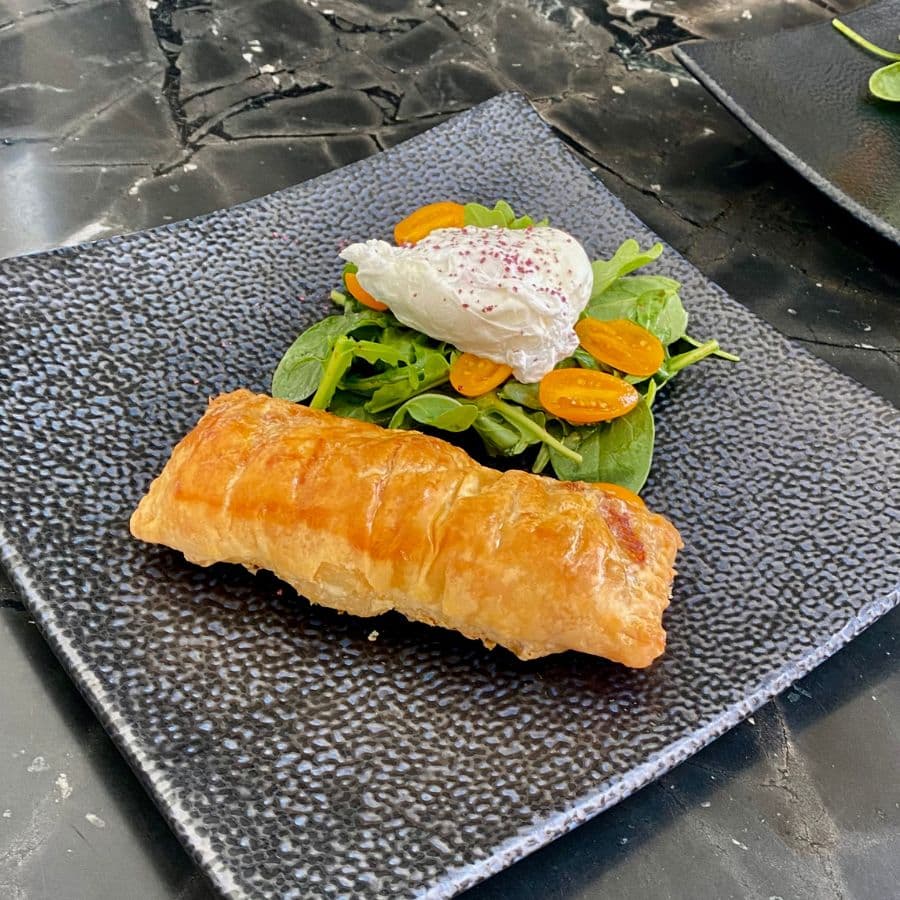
(805, 93)
(296, 758)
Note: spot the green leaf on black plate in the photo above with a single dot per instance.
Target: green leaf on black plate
(300, 370)
(523, 394)
(626, 259)
(884, 83)
(619, 452)
(651, 301)
(436, 410)
(501, 216)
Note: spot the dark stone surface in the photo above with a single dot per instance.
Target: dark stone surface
(115, 116)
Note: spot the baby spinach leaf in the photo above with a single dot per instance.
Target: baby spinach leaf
(404, 341)
(436, 410)
(626, 259)
(661, 314)
(632, 287)
(619, 452)
(523, 394)
(300, 370)
(349, 406)
(884, 83)
(585, 360)
(651, 301)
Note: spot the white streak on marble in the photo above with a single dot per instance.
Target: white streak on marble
(34, 86)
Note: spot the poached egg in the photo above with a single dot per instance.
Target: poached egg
(512, 296)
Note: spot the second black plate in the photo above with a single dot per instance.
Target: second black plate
(805, 93)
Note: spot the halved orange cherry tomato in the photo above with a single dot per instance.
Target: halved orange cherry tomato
(583, 396)
(361, 294)
(622, 344)
(472, 376)
(621, 492)
(426, 219)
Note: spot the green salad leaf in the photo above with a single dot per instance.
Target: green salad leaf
(884, 83)
(651, 301)
(428, 369)
(617, 452)
(436, 410)
(501, 216)
(524, 394)
(626, 259)
(338, 362)
(302, 366)
(367, 365)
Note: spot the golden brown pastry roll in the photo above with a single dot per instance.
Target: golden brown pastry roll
(364, 520)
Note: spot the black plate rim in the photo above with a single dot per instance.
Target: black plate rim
(683, 53)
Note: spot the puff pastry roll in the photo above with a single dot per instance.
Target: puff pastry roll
(365, 520)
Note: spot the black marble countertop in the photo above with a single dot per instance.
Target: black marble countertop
(116, 115)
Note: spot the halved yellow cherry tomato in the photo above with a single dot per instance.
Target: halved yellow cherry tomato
(472, 376)
(621, 492)
(622, 344)
(361, 294)
(426, 219)
(583, 396)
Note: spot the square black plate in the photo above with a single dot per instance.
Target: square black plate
(292, 755)
(804, 92)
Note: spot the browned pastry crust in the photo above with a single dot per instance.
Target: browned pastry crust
(364, 520)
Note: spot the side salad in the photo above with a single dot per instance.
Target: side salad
(589, 419)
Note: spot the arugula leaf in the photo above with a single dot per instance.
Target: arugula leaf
(373, 352)
(719, 352)
(530, 427)
(857, 38)
(338, 363)
(626, 259)
(619, 452)
(429, 369)
(436, 410)
(501, 216)
(672, 365)
(300, 370)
